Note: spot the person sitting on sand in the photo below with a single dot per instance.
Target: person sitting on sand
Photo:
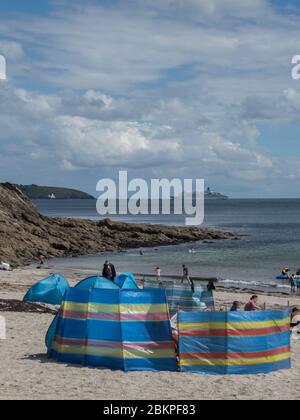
(235, 306)
(295, 317)
(252, 305)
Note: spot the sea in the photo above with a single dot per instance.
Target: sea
(269, 232)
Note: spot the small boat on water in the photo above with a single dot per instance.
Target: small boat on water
(285, 274)
(283, 277)
(52, 196)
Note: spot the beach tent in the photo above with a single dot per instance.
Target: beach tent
(180, 296)
(115, 329)
(234, 342)
(126, 281)
(96, 282)
(50, 290)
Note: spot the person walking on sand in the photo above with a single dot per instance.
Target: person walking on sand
(186, 277)
(185, 274)
(252, 305)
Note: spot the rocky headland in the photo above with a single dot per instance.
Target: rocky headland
(25, 233)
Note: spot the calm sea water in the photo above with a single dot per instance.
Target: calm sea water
(271, 240)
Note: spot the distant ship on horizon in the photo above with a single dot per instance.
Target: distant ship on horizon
(209, 194)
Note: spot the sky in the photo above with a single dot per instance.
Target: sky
(160, 88)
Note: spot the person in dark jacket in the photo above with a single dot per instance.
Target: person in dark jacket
(211, 286)
(109, 271)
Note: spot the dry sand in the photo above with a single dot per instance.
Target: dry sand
(26, 373)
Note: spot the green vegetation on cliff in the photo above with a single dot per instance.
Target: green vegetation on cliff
(35, 192)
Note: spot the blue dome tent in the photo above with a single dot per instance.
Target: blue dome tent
(50, 290)
(96, 282)
(126, 281)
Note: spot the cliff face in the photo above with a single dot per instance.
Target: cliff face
(25, 234)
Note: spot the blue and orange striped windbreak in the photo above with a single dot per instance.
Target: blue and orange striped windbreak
(115, 329)
(234, 342)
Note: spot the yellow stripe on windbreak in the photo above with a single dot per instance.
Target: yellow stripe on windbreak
(143, 308)
(129, 308)
(116, 353)
(89, 351)
(90, 307)
(183, 326)
(236, 362)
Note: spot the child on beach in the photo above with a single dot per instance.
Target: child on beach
(157, 273)
(235, 306)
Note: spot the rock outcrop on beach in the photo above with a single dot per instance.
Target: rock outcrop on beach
(25, 233)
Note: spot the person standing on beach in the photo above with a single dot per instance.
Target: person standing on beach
(252, 305)
(109, 271)
(293, 283)
(41, 261)
(211, 286)
(158, 273)
(185, 273)
(298, 284)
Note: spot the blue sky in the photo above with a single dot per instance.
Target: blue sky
(165, 88)
(29, 6)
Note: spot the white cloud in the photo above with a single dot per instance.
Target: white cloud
(11, 50)
(168, 86)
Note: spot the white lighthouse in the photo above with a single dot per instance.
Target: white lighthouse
(2, 68)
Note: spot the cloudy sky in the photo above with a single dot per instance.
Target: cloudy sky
(162, 88)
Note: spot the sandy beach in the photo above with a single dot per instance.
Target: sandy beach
(26, 373)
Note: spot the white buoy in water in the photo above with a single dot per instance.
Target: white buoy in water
(2, 68)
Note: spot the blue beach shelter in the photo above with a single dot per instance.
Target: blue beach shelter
(50, 290)
(126, 281)
(96, 282)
